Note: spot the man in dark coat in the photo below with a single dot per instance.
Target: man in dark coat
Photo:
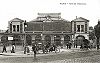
(67, 45)
(34, 50)
(4, 49)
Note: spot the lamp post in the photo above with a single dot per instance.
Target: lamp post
(25, 25)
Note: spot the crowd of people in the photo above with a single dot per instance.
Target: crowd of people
(46, 48)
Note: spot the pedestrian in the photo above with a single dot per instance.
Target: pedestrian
(25, 49)
(13, 49)
(34, 50)
(76, 44)
(70, 44)
(81, 46)
(46, 48)
(43, 49)
(4, 49)
(67, 45)
(28, 50)
(55, 48)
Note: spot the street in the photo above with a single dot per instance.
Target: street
(72, 57)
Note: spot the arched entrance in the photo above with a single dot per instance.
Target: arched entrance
(38, 39)
(28, 39)
(66, 39)
(79, 39)
(47, 39)
(57, 40)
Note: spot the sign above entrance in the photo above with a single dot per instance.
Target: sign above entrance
(10, 38)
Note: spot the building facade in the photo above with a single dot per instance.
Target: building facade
(47, 28)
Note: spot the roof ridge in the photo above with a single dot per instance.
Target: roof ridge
(80, 18)
(16, 19)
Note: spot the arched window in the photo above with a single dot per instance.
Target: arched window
(79, 39)
(57, 40)
(66, 39)
(48, 39)
(38, 39)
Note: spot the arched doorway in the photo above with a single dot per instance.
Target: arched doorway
(38, 39)
(79, 39)
(28, 39)
(57, 40)
(66, 39)
(48, 39)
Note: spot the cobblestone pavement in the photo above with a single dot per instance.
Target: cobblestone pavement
(92, 59)
(65, 56)
(78, 57)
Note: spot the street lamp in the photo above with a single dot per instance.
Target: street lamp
(25, 26)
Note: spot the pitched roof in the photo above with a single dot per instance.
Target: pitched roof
(49, 26)
(80, 19)
(49, 22)
(48, 17)
(16, 19)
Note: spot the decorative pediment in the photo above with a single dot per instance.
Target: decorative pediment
(16, 20)
(81, 19)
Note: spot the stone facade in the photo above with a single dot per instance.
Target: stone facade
(48, 28)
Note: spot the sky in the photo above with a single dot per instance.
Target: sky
(28, 9)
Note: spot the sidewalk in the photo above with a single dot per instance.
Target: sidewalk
(21, 53)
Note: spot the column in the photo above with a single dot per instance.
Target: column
(43, 41)
(52, 39)
(0, 37)
(62, 40)
(24, 40)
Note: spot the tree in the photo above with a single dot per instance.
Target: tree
(97, 33)
(91, 33)
(4, 40)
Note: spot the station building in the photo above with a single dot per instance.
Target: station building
(47, 28)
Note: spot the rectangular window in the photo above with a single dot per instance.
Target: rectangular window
(17, 28)
(78, 28)
(14, 28)
(82, 28)
(74, 26)
(10, 28)
(85, 27)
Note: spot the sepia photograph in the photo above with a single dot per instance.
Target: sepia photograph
(49, 31)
